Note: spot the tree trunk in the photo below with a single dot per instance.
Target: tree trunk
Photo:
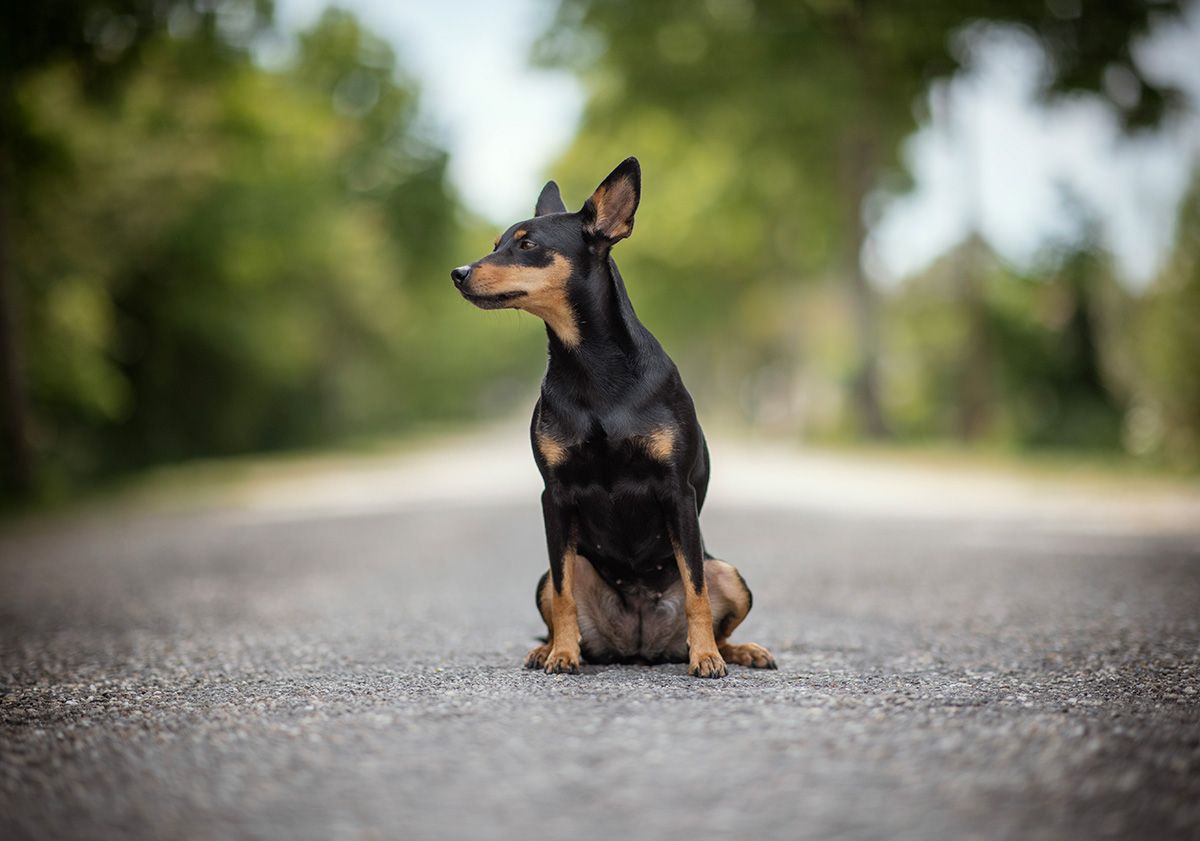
(860, 164)
(975, 375)
(18, 452)
(867, 399)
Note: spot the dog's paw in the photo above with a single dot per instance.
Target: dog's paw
(536, 659)
(748, 654)
(562, 662)
(706, 664)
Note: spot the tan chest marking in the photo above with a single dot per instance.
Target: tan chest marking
(552, 451)
(660, 443)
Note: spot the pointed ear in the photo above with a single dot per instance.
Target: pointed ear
(549, 201)
(608, 214)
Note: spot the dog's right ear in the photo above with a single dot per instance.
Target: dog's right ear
(608, 214)
(550, 201)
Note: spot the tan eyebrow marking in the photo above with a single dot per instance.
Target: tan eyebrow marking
(520, 233)
(496, 243)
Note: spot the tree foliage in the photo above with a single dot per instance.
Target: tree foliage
(228, 259)
(204, 255)
(765, 126)
(1165, 421)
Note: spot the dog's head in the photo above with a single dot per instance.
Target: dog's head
(543, 265)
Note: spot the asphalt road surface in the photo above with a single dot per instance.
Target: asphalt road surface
(355, 672)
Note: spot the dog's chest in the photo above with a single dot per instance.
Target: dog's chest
(615, 489)
(633, 464)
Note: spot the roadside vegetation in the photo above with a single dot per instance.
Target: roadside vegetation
(212, 247)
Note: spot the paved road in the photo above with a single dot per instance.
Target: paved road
(223, 675)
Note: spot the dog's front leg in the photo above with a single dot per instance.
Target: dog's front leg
(704, 660)
(561, 540)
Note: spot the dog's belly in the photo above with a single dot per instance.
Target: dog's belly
(629, 623)
(628, 590)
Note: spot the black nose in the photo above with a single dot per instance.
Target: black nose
(460, 275)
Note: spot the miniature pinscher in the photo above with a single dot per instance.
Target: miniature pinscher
(621, 453)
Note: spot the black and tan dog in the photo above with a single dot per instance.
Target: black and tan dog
(616, 440)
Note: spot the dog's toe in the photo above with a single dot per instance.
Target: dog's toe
(707, 665)
(536, 659)
(562, 662)
(748, 654)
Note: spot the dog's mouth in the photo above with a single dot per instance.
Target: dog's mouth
(494, 302)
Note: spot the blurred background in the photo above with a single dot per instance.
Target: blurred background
(226, 225)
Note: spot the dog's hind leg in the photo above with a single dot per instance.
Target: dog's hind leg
(536, 659)
(608, 631)
(731, 601)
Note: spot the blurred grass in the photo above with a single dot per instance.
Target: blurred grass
(219, 483)
(203, 483)
(1091, 468)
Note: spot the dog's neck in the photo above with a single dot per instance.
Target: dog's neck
(613, 344)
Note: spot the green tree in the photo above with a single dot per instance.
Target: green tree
(1166, 417)
(227, 259)
(1047, 381)
(766, 125)
(100, 42)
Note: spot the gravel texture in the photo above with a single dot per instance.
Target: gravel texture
(223, 676)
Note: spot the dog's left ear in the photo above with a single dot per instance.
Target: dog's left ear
(608, 214)
(550, 201)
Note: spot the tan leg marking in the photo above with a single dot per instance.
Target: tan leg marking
(563, 655)
(536, 658)
(704, 660)
(731, 603)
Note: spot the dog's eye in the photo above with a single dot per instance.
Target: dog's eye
(527, 244)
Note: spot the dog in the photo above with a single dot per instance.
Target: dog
(616, 440)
